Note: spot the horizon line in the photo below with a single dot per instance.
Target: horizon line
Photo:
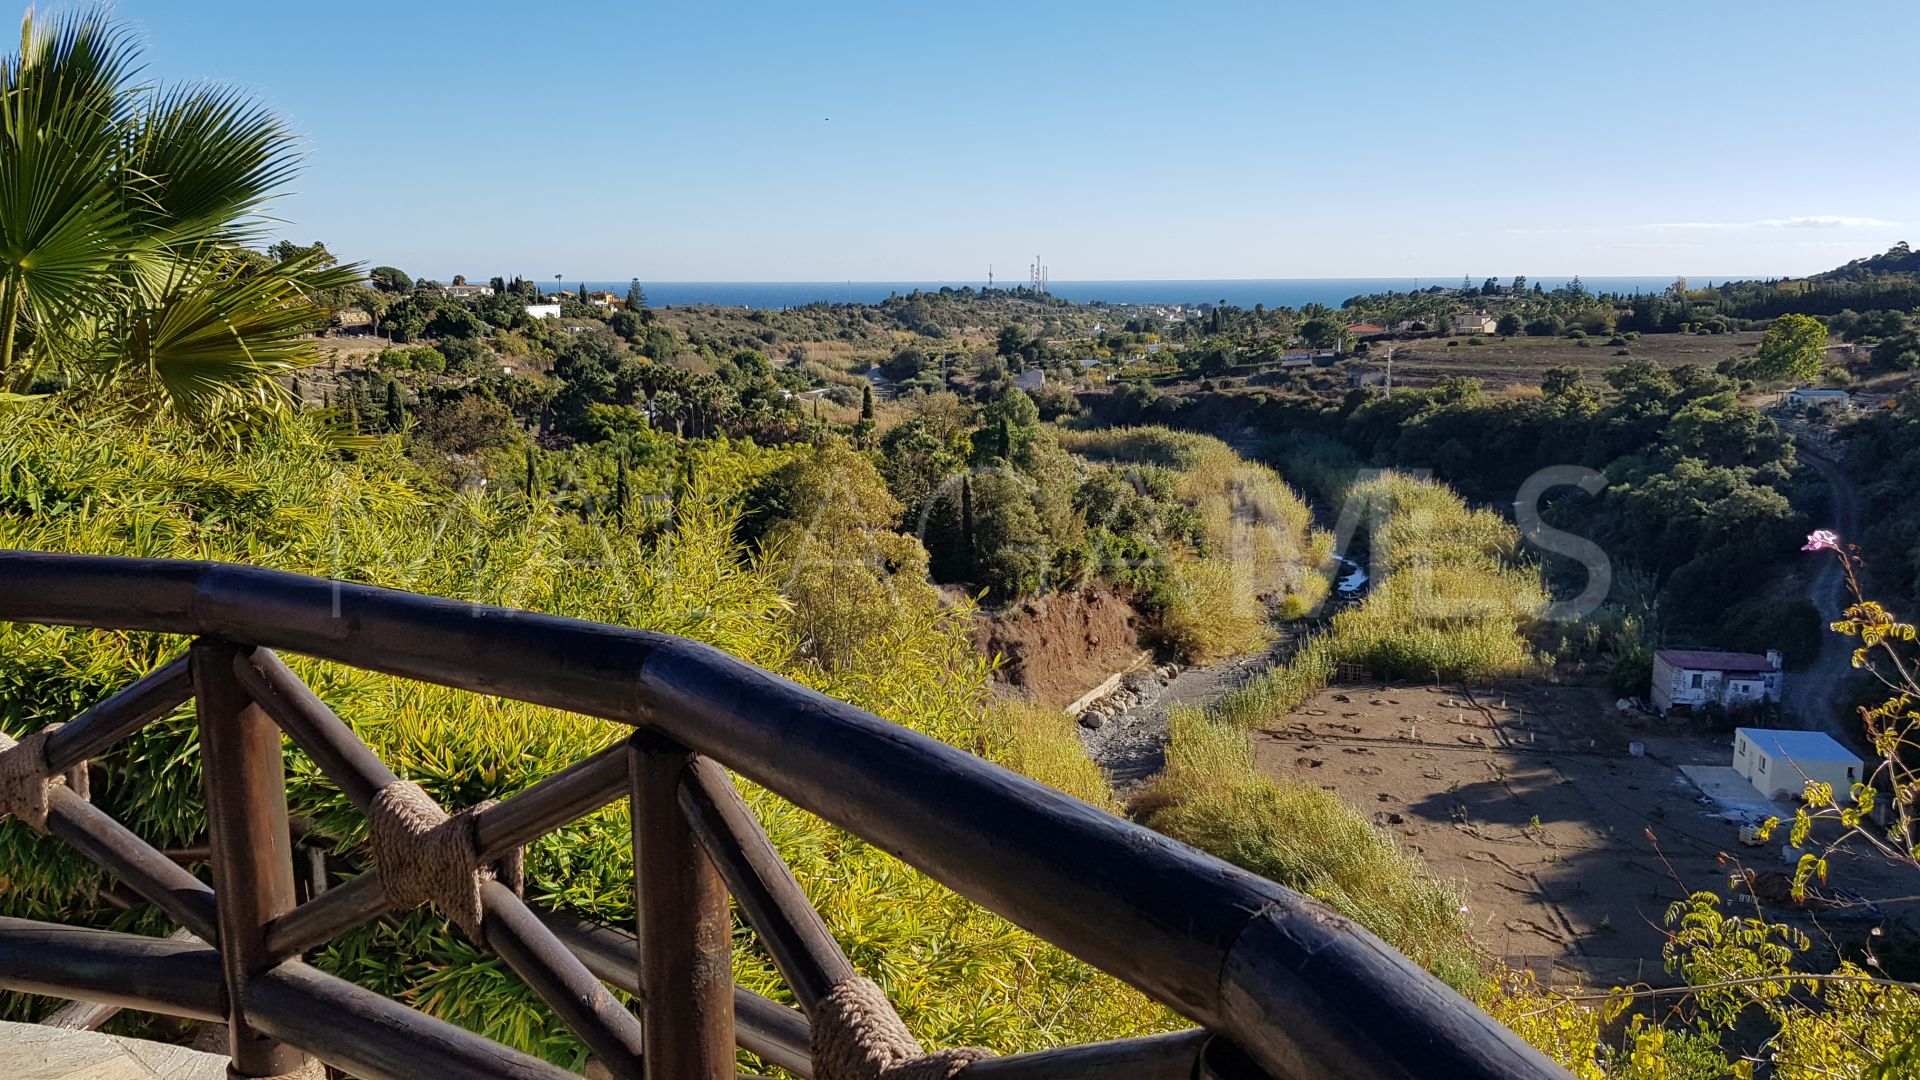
(1437, 279)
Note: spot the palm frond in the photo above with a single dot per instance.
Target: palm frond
(62, 102)
(204, 161)
(225, 330)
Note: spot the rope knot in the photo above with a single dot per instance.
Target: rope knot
(423, 855)
(26, 788)
(858, 1036)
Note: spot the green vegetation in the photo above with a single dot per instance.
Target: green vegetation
(1703, 493)
(89, 484)
(1882, 455)
(123, 211)
(1300, 836)
(1241, 534)
(1453, 605)
(1795, 346)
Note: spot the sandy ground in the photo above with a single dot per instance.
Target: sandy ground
(1527, 796)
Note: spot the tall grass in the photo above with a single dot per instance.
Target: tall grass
(1300, 836)
(1260, 545)
(1448, 603)
(67, 483)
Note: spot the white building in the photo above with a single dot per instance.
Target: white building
(1475, 323)
(1780, 763)
(1807, 397)
(1698, 679)
(543, 311)
(1030, 380)
(467, 292)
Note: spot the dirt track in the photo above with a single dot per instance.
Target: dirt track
(1812, 694)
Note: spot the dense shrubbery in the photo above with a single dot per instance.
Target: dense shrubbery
(1233, 537)
(1883, 455)
(289, 501)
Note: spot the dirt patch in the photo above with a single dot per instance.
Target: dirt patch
(1498, 361)
(1529, 797)
(1059, 647)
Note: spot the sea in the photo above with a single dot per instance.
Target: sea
(1241, 292)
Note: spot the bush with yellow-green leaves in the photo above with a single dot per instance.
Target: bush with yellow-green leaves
(1254, 541)
(288, 499)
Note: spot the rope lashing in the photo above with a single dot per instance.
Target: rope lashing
(424, 855)
(858, 1036)
(26, 788)
(312, 1069)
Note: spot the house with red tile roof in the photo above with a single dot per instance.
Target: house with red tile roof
(1695, 679)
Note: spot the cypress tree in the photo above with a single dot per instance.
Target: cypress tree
(396, 412)
(533, 477)
(966, 524)
(1006, 439)
(583, 292)
(297, 398)
(866, 403)
(620, 493)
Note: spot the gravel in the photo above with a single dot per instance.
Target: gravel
(1125, 733)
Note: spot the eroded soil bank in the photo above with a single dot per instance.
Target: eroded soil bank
(1057, 648)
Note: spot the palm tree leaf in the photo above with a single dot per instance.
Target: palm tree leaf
(206, 160)
(61, 219)
(226, 330)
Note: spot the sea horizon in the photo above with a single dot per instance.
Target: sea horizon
(1241, 292)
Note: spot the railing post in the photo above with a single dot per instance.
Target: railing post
(252, 851)
(684, 928)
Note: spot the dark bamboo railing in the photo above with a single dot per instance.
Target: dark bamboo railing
(1280, 986)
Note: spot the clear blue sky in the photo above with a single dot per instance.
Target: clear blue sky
(822, 141)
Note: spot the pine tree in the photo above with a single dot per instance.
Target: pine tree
(636, 296)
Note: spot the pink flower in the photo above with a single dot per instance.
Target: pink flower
(1822, 540)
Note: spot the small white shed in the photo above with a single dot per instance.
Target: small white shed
(1779, 763)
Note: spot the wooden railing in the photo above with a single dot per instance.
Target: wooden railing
(1280, 986)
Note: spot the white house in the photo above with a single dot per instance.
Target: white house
(467, 292)
(1807, 397)
(1779, 763)
(1699, 679)
(1475, 322)
(543, 311)
(1030, 380)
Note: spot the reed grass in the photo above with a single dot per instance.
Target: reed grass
(287, 499)
(1448, 602)
(1261, 553)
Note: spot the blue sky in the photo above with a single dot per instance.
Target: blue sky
(924, 141)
